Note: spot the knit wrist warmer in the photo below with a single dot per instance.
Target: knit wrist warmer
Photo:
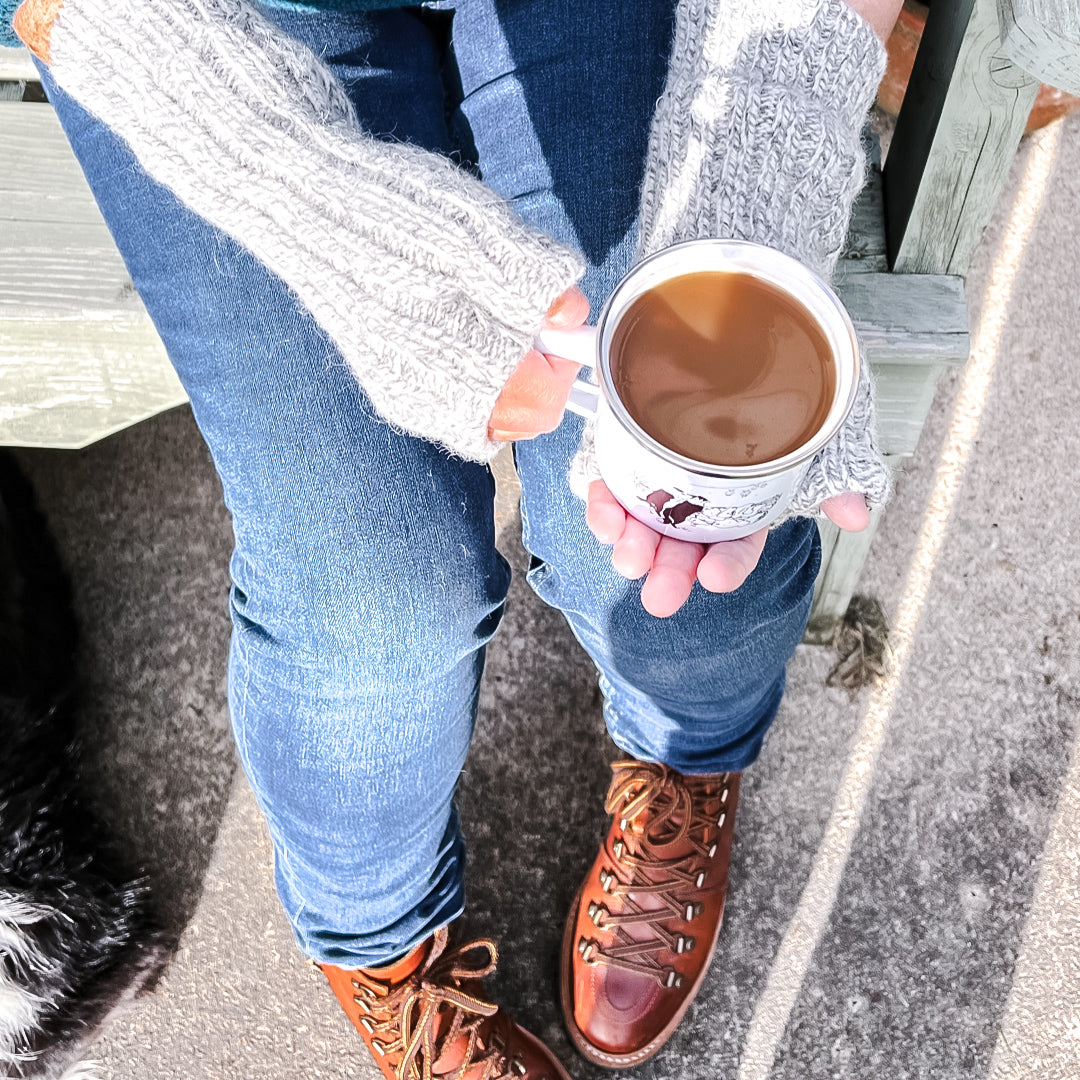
(428, 284)
(757, 137)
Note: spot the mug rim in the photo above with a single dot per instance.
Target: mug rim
(768, 264)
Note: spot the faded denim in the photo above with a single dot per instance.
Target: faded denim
(365, 579)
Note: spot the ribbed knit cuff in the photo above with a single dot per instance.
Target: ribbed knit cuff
(848, 463)
(757, 137)
(428, 284)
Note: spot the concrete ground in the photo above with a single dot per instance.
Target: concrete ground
(905, 897)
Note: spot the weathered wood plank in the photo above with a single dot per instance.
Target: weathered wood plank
(63, 269)
(957, 132)
(907, 318)
(69, 383)
(16, 64)
(40, 180)
(904, 394)
(79, 356)
(865, 250)
(1043, 38)
(842, 557)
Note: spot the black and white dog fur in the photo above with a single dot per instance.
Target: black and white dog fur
(76, 935)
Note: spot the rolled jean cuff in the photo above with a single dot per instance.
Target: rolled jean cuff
(681, 748)
(331, 941)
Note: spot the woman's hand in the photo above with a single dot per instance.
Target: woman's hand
(670, 567)
(534, 397)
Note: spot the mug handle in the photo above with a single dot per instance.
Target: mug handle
(578, 345)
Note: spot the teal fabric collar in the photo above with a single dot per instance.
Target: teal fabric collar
(7, 13)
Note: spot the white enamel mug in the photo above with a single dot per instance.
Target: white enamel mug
(673, 494)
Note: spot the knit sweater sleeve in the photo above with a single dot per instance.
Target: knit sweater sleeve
(757, 137)
(425, 280)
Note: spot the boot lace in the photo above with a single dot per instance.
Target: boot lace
(430, 1013)
(668, 829)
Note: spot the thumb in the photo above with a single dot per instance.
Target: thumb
(848, 511)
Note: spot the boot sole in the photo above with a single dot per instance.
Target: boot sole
(593, 1053)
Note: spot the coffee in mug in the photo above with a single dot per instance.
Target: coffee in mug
(723, 367)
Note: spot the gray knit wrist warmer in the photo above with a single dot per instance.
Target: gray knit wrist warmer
(424, 279)
(757, 137)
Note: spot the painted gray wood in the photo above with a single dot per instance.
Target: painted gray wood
(910, 327)
(907, 318)
(1043, 38)
(16, 65)
(865, 250)
(956, 135)
(842, 557)
(79, 357)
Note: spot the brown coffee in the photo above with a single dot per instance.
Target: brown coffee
(723, 368)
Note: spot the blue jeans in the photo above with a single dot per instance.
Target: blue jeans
(365, 577)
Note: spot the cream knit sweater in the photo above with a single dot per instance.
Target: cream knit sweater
(427, 283)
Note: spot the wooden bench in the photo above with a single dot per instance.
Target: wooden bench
(79, 358)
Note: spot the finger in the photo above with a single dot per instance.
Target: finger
(671, 578)
(563, 371)
(533, 399)
(727, 565)
(848, 511)
(633, 553)
(569, 310)
(604, 513)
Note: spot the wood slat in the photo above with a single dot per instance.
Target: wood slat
(40, 180)
(842, 557)
(865, 250)
(958, 129)
(907, 318)
(63, 270)
(67, 384)
(79, 356)
(16, 64)
(1043, 38)
(904, 395)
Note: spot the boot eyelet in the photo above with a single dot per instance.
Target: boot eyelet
(618, 848)
(607, 880)
(693, 911)
(586, 949)
(712, 850)
(598, 913)
(700, 879)
(673, 980)
(721, 819)
(518, 1066)
(684, 944)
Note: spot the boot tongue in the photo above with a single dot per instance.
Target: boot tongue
(400, 970)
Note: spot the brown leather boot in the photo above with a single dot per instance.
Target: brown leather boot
(642, 929)
(422, 1018)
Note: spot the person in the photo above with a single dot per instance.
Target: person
(348, 222)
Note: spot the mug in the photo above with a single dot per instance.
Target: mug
(677, 495)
